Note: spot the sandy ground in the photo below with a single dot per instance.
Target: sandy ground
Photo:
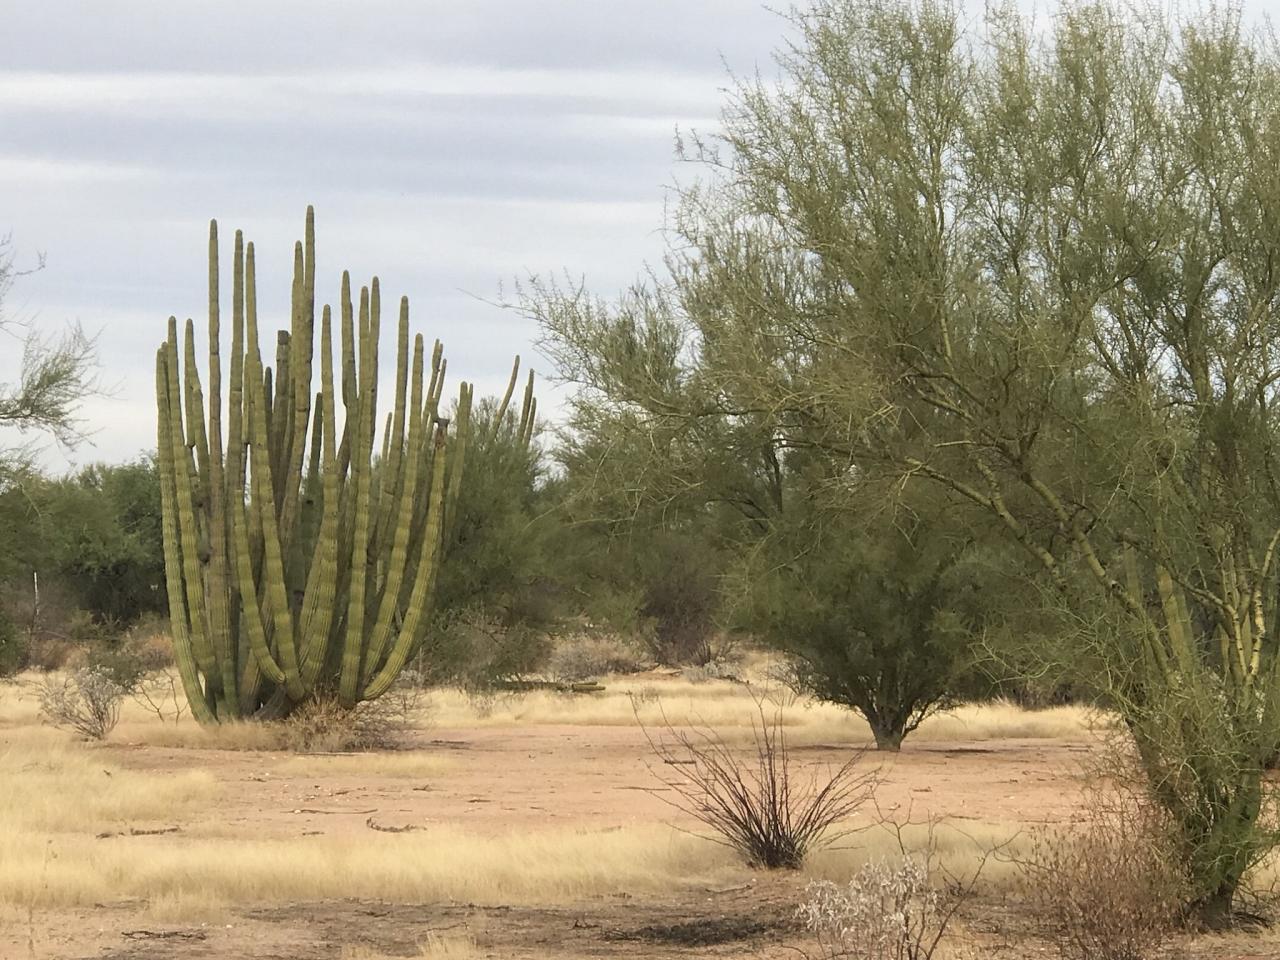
(497, 779)
(493, 780)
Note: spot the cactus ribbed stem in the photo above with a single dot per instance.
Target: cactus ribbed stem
(298, 563)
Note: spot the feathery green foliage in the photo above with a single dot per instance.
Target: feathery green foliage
(1036, 269)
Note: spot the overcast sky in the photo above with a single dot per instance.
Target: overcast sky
(448, 145)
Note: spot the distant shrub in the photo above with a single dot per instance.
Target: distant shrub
(681, 598)
(589, 656)
(47, 654)
(122, 665)
(87, 701)
(149, 640)
(475, 651)
(727, 667)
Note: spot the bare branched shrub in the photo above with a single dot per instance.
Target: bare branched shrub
(762, 806)
(1110, 887)
(783, 684)
(87, 701)
(160, 693)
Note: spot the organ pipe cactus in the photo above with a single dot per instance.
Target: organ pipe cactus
(298, 563)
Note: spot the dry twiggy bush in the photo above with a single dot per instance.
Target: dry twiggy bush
(764, 806)
(888, 911)
(891, 909)
(1109, 887)
(323, 725)
(87, 701)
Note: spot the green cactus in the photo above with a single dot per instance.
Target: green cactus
(298, 563)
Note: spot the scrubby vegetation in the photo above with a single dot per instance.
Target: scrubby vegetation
(959, 383)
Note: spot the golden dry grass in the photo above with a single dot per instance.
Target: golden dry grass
(437, 946)
(68, 810)
(443, 864)
(53, 787)
(959, 850)
(69, 814)
(719, 704)
(728, 706)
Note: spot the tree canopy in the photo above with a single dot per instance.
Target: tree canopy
(1035, 269)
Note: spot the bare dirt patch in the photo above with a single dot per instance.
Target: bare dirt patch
(516, 837)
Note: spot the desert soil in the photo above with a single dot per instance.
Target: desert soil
(504, 778)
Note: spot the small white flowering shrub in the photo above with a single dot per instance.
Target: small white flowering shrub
(888, 911)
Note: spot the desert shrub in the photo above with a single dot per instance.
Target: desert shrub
(161, 693)
(1108, 888)
(762, 806)
(131, 657)
(679, 588)
(120, 663)
(875, 612)
(894, 909)
(585, 656)
(87, 701)
(722, 667)
(887, 911)
(322, 725)
(46, 654)
(474, 651)
(150, 642)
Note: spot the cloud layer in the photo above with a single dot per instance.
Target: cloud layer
(448, 147)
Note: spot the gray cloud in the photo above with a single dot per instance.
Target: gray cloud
(449, 152)
(448, 146)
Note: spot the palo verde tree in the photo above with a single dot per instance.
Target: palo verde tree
(299, 563)
(881, 609)
(1037, 269)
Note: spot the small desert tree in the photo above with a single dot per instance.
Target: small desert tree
(1037, 269)
(878, 612)
(497, 599)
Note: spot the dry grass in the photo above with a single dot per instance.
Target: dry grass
(197, 878)
(186, 908)
(395, 764)
(62, 796)
(445, 946)
(442, 864)
(59, 795)
(724, 705)
(958, 850)
(53, 788)
(719, 704)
